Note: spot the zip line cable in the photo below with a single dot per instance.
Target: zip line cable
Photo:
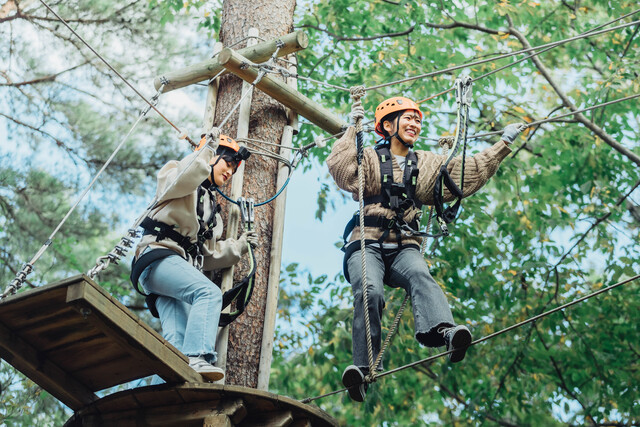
(28, 267)
(151, 105)
(487, 337)
(557, 118)
(506, 55)
(528, 57)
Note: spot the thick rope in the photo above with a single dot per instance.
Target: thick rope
(487, 337)
(357, 92)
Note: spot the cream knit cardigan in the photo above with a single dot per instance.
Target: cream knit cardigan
(344, 169)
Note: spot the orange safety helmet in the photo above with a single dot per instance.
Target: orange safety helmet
(226, 143)
(391, 105)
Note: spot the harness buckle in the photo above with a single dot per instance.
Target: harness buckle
(199, 262)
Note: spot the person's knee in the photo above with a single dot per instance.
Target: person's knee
(208, 292)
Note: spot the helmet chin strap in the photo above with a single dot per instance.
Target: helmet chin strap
(397, 135)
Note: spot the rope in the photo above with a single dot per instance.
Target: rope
(490, 336)
(136, 91)
(506, 55)
(357, 92)
(17, 282)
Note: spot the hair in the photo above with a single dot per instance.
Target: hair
(390, 118)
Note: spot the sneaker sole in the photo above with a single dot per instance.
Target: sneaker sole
(352, 380)
(460, 342)
(212, 376)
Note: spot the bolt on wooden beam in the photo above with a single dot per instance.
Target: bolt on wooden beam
(280, 91)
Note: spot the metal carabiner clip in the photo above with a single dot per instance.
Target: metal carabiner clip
(199, 262)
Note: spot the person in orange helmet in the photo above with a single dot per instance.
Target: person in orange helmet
(397, 182)
(181, 239)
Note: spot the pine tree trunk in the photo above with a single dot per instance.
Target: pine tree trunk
(273, 18)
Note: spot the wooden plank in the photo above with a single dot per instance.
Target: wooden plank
(205, 70)
(302, 422)
(84, 354)
(280, 91)
(275, 419)
(60, 332)
(110, 301)
(242, 405)
(114, 321)
(22, 313)
(217, 421)
(118, 370)
(26, 359)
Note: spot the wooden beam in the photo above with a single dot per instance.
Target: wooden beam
(212, 98)
(113, 319)
(50, 377)
(280, 91)
(204, 70)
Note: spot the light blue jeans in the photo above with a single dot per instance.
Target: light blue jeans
(189, 305)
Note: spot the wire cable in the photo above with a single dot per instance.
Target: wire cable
(487, 337)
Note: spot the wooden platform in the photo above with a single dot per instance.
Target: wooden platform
(73, 339)
(199, 405)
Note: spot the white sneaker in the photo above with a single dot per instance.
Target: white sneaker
(206, 369)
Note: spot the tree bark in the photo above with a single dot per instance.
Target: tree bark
(273, 18)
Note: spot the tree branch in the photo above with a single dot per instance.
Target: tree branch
(429, 372)
(339, 38)
(458, 24)
(38, 80)
(567, 102)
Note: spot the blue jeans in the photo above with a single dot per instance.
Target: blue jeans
(189, 305)
(405, 268)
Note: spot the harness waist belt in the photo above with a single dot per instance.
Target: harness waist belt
(165, 231)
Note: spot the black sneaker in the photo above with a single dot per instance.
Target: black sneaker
(353, 380)
(457, 338)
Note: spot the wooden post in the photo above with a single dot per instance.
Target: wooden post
(279, 91)
(273, 285)
(212, 97)
(259, 52)
(233, 221)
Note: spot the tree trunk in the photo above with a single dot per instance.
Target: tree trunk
(272, 18)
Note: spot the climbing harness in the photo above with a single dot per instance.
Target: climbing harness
(240, 293)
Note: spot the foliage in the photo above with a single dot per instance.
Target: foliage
(511, 255)
(555, 223)
(62, 114)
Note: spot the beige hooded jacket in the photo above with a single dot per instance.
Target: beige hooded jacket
(344, 169)
(178, 208)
